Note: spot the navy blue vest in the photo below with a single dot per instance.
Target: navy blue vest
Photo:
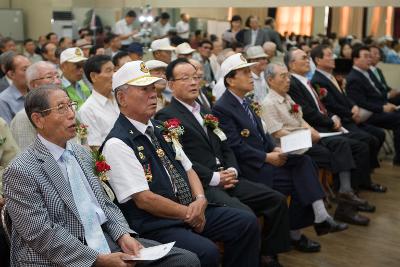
(138, 219)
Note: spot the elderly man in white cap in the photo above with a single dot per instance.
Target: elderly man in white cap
(262, 161)
(71, 64)
(162, 50)
(159, 193)
(184, 50)
(157, 69)
(256, 54)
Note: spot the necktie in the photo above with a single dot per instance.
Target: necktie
(204, 101)
(372, 83)
(246, 107)
(93, 232)
(182, 189)
(378, 76)
(321, 106)
(333, 80)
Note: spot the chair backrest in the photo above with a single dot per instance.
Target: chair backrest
(6, 222)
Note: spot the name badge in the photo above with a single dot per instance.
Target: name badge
(220, 134)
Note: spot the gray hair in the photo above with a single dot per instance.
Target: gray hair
(288, 58)
(120, 88)
(34, 71)
(38, 99)
(269, 45)
(270, 72)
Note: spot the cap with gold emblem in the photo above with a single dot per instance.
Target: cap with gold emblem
(234, 62)
(73, 55)
(133, 73)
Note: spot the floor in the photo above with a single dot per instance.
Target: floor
(373, 246)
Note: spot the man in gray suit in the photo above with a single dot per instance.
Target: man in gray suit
(60, 214)
(254, 35)
(272, 34)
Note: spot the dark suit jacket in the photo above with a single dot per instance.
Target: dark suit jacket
(201, 148)
(261, 38)
(275, 37)
(335, 101)
(250, 151)
(362, 92)
(311, 113)
(382, 81)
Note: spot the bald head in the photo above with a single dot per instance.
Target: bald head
(269, 49)
(297, 61)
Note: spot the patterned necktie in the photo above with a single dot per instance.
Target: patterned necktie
(246, 107)
(93, 232)
(182, 189)
(321, 106)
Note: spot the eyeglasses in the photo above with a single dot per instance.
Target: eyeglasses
(49, 77)
(63, 108)
(187, 79)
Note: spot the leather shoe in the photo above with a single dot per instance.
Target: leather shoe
(329, 226)
(378, 188)
(366, 208)
(351, 198)
(306, 245)
(270, 261)
(347, 213)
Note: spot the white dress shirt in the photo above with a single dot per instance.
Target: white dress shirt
(195, 110)
(253, 37)
(57, 151)
(219, 89)
(127, 176)
(122, 28)
(305, 81)
(100, 114)
(260, 87)
(182, 28)
(159, 30)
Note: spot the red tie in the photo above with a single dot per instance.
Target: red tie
(321, 106)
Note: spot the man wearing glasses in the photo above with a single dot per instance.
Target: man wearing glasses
(71, 64)
(59, 214)
(38, 74)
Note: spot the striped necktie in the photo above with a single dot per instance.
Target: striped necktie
(246, 107)
(179, 184)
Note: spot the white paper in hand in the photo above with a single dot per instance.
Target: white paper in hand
(152, 253)
(296, 141)
(323, 135)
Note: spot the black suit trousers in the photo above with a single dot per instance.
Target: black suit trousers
(390, 121)
(237, 229)
(372, 136)
(299, 179)
(263, 201)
